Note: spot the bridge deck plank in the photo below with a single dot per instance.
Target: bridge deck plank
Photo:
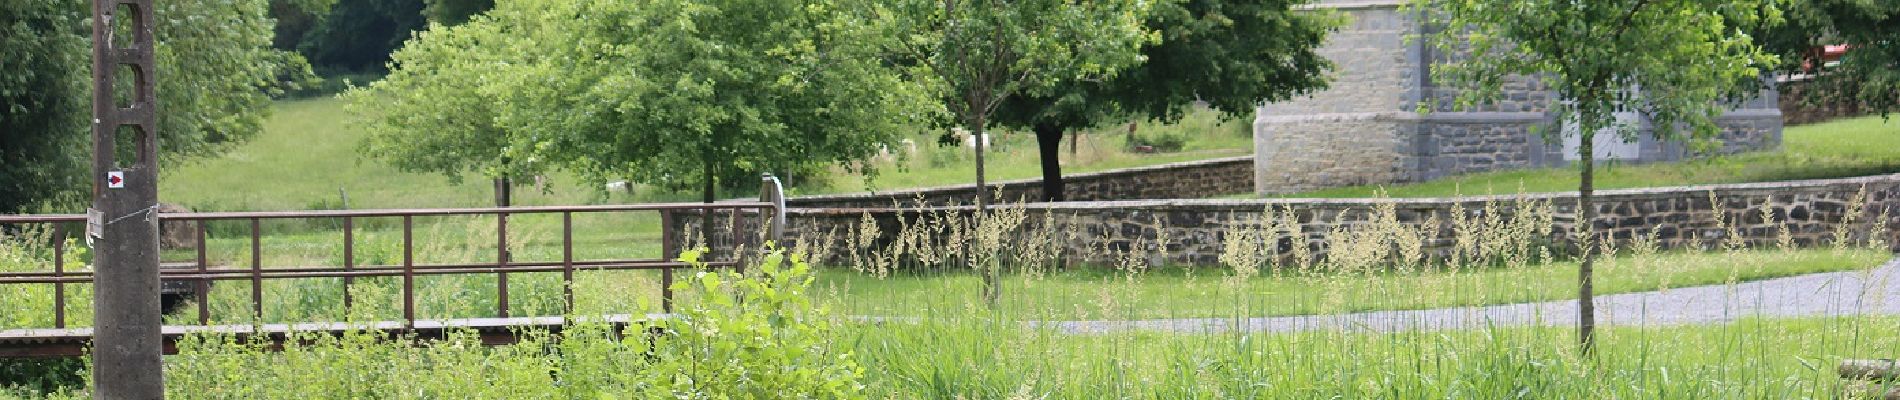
(16, 343)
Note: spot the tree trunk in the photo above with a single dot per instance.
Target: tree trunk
(1049, 143)
(992, 281)
(504, 192)
(1074, 141)
(982, 188)
(1586, 219)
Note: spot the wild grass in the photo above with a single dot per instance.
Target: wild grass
(1837, 149)
(1182, 292)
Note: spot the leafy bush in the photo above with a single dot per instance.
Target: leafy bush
(41, 377)
(745, 336)
(1165, 142)
(31, 306)
(752, 337)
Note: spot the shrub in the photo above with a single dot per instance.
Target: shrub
(745, 336)
(1165, 142)
(757, 336)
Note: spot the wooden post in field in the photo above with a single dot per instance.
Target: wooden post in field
(123, 221)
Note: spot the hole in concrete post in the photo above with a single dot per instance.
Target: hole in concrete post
(126, 85)
(125, 24)
(128, 144)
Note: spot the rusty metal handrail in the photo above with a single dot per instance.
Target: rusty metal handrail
(408, 269)
(397, 212)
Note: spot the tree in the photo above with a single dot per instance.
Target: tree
(1673, 61)
(1231, 54)
(454, 12)
(295, 18)
(435, 111)
(1869, 73)
(359, 35)
(214, 87)
(43, 102)
(979, 54)
(664, 92)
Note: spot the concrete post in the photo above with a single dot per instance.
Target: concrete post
(123, 222)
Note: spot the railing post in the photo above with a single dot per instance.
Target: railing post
(203, 286)
(501, 259)
(773, 192)
(59, 271)
(257, 270)
(669, 252)
(738, 256)
(349, 263)
(408, 272)
(567, 263)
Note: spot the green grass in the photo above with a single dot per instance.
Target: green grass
(1753, 358)
(1094, 293)
(308, 158)
(980, 356)
(1013, 155)
(1841, 148)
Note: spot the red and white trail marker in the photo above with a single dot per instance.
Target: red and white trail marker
(115, 179)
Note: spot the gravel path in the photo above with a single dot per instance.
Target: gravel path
(1872, 291)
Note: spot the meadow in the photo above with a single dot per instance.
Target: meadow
(308, 157)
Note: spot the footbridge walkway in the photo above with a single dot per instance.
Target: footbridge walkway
(65, 340)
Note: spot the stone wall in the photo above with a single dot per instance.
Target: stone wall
(1192, 179)
(1303, 153)
(1193, 232)
(1366, 127)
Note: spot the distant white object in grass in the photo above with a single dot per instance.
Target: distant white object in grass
(970, 141)
(884, 154)
(910, 147)
(619, 186)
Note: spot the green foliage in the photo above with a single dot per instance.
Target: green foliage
(455, 12)
(756, 336)
(752, 336)
(1229, 54)
(357, 36)
(44, 101)
(1870, 71)
(214, 83)
(979, 54)
(1674, 61)
(435, 111)
(661, 92)
(41, 376)
(1166, 142)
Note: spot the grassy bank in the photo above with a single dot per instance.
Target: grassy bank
(1841, 148)
(307, 158)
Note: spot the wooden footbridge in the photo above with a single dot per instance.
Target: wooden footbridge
(60, 340)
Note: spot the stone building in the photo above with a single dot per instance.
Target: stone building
(1366, 128)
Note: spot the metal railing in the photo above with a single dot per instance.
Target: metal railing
(201, 273)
